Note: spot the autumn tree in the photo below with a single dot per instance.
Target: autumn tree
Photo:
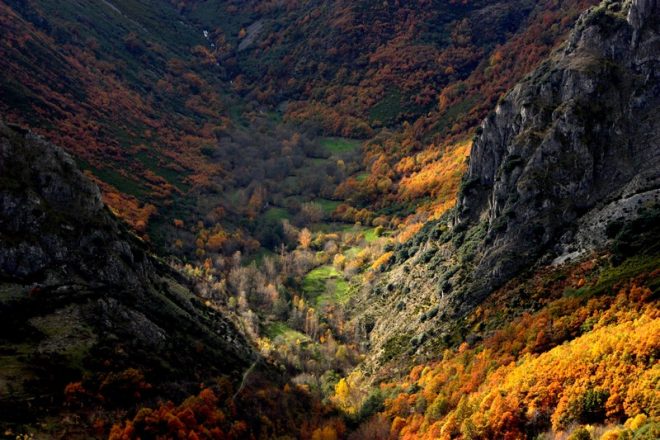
(305, 238)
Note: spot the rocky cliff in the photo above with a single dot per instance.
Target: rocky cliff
(572, 149)
(83, 300)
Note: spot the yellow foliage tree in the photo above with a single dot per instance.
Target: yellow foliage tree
(342, 396)
(305, 238)
(325, 433)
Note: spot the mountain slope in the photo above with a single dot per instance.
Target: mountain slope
(570, 153)
(571, 148)
(84, 300)
(111, 82)
(363, 64)
(177, 85)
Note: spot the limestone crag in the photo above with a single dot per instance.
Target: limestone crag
(579, 136)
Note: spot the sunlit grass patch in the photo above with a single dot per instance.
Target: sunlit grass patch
(283, 331)
(339, 146)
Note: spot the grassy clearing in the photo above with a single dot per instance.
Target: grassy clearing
(339, 146)
(351, 227)
(610, 275)
(122, 183)
(170, 175)
(326, 227)
(317, 161)
(370, 235)
(11, 292)
(15, 370)
(277, 214)
(283, 331)
(259, 256)
(328, 206)
(341, 291)
(325, 285)
(234, 196)
(310, 165)
(314, 283)
(362, 177)
(337, 292)
(452, 113)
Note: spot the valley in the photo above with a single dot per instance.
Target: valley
(354, 220)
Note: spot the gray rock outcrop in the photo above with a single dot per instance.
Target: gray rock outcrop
(576, 138)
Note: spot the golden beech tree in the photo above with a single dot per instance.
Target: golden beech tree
(511, 384)
(305, 238)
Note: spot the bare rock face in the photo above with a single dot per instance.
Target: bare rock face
(53, 219)
(578, 135)
(641, 11)
(82, 297)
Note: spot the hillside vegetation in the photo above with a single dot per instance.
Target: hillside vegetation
(225, 219)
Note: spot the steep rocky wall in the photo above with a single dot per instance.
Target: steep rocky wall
(580, 134)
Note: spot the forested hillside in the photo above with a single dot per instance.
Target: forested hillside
(157, 101)
(225, 219)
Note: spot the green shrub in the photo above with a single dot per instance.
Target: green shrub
(437, 409)
(373, 404)
(650, 431)
(593, 405)
(580, 434)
